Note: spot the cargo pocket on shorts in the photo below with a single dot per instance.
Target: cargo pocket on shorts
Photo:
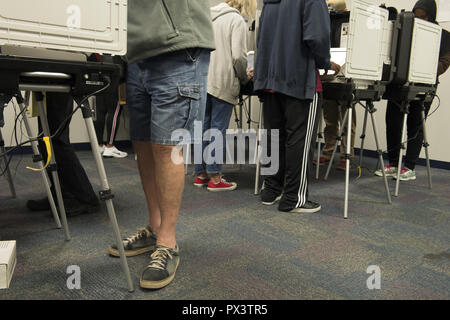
(191, 93)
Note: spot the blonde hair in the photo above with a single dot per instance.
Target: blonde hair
(247, 8)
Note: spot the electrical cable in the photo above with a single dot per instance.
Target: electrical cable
(63, 124)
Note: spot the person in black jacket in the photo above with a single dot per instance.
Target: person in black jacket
(78, 194)
(426, 10)
(293, 43)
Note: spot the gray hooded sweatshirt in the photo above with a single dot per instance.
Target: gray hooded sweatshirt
(228, 67)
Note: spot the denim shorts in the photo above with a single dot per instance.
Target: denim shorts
(167, 93)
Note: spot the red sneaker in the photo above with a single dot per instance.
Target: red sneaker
(322, 161)
(200, 182)
(223, 185)
(343, 165)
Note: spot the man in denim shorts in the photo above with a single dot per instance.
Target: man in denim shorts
(169, 43)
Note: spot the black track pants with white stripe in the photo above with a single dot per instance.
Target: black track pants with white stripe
(296, 121)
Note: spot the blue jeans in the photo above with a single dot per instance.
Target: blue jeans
(167, 93)
(217, 116)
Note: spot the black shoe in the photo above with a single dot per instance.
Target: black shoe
(161, 270)
(268, 197)
(73, 207)
(38, 205)
(309, 207)
(144, 240)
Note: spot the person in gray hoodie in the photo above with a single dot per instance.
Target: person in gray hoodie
(169, 45)
(227, 71)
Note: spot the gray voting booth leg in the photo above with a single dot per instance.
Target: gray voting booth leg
(348, 119)
(370, 107)
(363, 137)
(7, 171)
(57, 186)
(338, 139)
(320, 135)
(426, 145)
(405, 111)
(106, 194)
(45, 178)
(347, 159)
(258, 151)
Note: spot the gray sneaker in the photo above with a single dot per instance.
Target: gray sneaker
(406, 175)
(144, 240)
(389, 171)
(309, 207)
(161, 268)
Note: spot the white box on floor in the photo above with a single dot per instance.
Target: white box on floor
(7, 262)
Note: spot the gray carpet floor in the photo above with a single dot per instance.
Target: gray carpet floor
(233, 247)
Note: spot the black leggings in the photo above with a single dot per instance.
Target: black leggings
(107, 110)
(72, 177)
(394, 123)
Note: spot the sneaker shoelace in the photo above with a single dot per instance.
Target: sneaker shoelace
(159, 258)
(222, 180)
(137, 236)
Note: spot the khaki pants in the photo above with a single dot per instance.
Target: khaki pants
(332, 124)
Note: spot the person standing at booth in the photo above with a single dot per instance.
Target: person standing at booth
(332, 115)
(77, 191)
(227, 71)
(426, 10)
(293, 43)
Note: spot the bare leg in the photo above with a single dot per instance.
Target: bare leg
(146, 169)
(163, 198)
(169, 190)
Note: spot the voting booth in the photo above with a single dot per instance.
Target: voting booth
(44, 50)
(386, 56)
(414, 77)
(365, 55)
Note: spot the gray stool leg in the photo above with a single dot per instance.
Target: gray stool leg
(363, 135)
(347, 157)
(45, 178)
(319, 140)
(59, 197)
(380, 153)
(426, 145)
(106, 194)
(338, 141)
(5, 160)
(241, 126)
(402, 147)
(258, 152)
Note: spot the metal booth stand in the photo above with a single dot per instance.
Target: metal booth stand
(348, 91)
(81, 80)
(406, 94)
